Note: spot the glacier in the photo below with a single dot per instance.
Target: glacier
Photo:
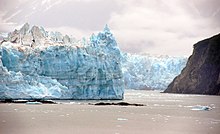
(40, 64)
(150, 72)
(35, 63)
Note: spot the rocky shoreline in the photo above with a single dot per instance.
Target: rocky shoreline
(202, 72)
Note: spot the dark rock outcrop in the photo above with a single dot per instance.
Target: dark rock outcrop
(202, 72)
(117, 104)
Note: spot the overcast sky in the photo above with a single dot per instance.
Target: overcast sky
(167, 27)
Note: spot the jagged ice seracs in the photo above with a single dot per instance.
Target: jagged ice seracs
(150, 72)
(35, 63)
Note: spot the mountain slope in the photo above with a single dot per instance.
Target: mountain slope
(202, 72)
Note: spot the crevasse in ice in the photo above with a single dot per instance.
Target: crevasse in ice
(35, 63)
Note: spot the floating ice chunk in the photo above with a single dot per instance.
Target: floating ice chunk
(122, 119)
(201, 108)
(34, 103)
(156, 105)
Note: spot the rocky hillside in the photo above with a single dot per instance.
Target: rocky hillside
(202, 72)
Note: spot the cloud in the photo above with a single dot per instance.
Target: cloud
(161, 26)
(167, 27)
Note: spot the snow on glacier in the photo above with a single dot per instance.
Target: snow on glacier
(150, 71)
(40, 64)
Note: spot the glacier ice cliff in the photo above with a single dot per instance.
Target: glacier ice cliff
(35, 63)
(15, 85)
(150, 72)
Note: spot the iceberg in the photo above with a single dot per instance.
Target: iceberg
(201, 108)
(150, 72)
(35, 63)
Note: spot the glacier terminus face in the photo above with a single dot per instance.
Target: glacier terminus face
(35, 63)
(150, 72)
(38, 64)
